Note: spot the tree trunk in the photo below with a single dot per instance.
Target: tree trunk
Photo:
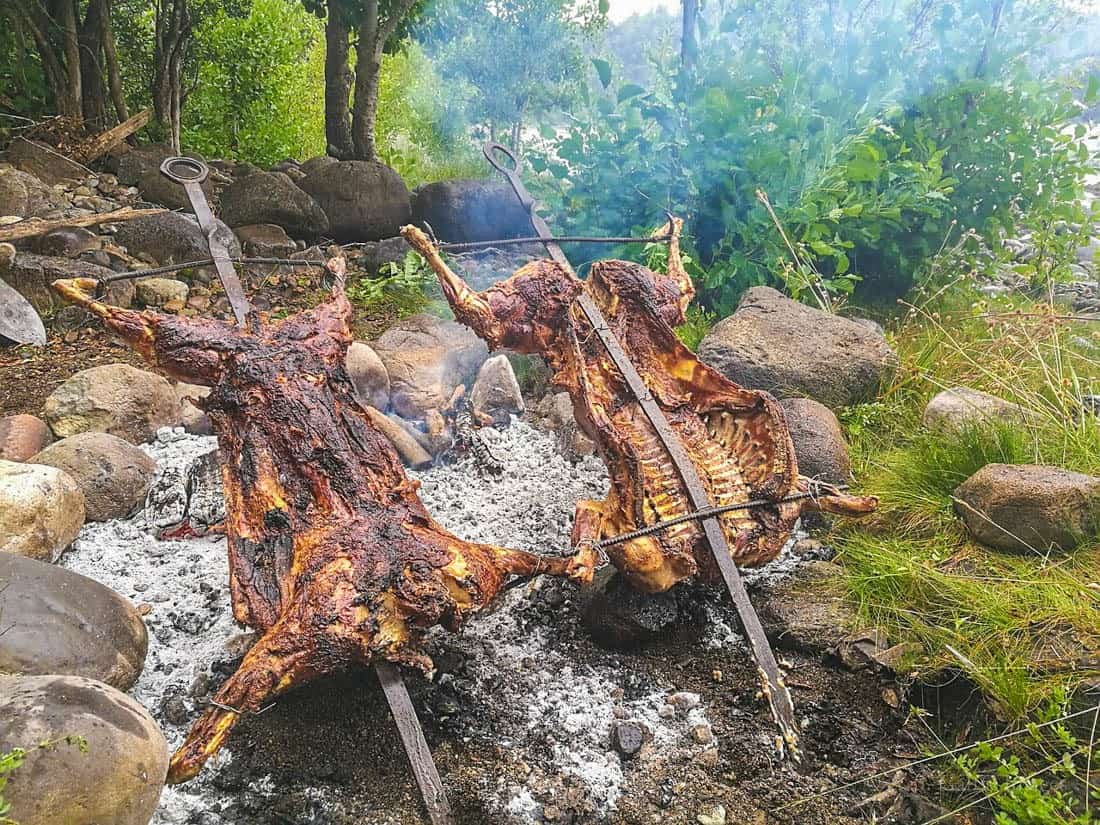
(114, 76)
(368, 65)
(93, 92)
(66, 17)
(173, 35)
(337, 87)
(688, 47)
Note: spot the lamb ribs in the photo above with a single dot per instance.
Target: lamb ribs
(333, 557)
(737, 438)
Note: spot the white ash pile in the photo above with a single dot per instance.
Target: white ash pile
(578, 727)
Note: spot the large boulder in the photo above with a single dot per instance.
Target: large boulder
(59, 622)
(364, 200)
(104, 760)
(68, 242)
(113, 474)
(171, 237)
(41, 510)
(308, 167)
(426, 359)
(21, 436)
(31, 276)
(495, 395)
(42, 161)
(462, 211)
(24, 195)
(130, 163)
(375, 256)
(112, 398)
(957, 408)
(819, 443)
(368, 375)
(271, 197)
(791, 350)
(158, 189)
(1029, 508)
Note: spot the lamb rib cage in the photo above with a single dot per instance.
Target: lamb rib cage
(332, 555)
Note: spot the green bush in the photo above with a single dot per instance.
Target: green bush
(260, 90)
(874, 140)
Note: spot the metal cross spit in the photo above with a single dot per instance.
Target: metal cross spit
(771, 677)
(191, 173)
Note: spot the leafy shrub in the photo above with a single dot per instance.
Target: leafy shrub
(874, 139)
(260, 89)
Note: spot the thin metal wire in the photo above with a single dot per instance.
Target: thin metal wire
(459, 247)
(144, 273)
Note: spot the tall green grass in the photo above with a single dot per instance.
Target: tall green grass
(1021, 627)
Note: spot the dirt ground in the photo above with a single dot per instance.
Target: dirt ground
(335, 740)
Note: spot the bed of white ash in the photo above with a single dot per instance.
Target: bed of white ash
(516, 670)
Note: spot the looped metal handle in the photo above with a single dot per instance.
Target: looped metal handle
(510, 166)
(184, 170)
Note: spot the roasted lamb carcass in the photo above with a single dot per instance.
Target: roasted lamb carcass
(737, 437)
(332, 556)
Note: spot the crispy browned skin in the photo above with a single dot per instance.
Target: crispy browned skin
(738, 438)
(332, 556)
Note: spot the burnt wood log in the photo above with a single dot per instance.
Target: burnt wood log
(332, 555)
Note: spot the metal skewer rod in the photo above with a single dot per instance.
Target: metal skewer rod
(460, 247)
(771, 677)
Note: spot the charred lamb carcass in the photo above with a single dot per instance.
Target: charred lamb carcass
(738, 438)
(332, 555)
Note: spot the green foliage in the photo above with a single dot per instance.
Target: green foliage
(697, 324)
(1005, 620)
(422, 121)
(1037, 779)
(873, 138)
(514, 61)
(11, 761)
(259, 94)
(401, 289)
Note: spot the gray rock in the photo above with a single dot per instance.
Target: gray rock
(621, 618)
(116, 774)
(426, 359)
(368, 375)
(21, 436)
(317, 164)
(113, 474)
(390, 251)
(789, 349)
(495, 394)
(113, 398)
(806, 610)
(70, 318)
(461, 211)
(819, 443)
(364, 201)
(156, 188)
(156, 292)
(627, 737)
(41, 510)
(956, 408)
(265, 240)
(32, 275)
(68, 241)
(556, 415)
(59, 622)
(24, 195)
(193, 419)
(1029, 508)
(44, 162)
(131, 163)
(171, 237)
(271, 197)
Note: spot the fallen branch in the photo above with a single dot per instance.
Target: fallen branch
(104, 142)
(36, 226)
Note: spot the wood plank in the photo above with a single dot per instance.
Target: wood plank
(104, 142)
(36, 226)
